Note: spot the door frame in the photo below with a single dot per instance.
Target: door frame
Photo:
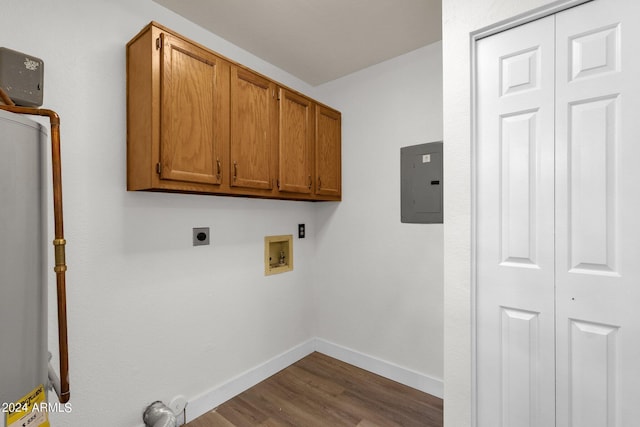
(474, 37)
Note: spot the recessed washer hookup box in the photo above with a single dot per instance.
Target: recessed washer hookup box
(21, 77)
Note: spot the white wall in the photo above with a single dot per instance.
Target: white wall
(379, 282)
(150, 316)
(460, 18)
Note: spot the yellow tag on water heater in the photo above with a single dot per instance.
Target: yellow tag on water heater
(30, 411)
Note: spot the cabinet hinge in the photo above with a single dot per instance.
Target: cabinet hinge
(159, 168)
(278, 183)
(158, 43)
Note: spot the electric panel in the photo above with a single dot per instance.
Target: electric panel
(421, 185)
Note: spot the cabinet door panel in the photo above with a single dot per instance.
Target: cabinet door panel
(295, 142)
(190, 148)
(252, 99)
(327, 153)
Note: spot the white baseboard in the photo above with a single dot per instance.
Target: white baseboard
(381, 367)
(216, 396)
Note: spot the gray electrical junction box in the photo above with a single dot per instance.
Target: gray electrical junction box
(421, 186)
(21, 77)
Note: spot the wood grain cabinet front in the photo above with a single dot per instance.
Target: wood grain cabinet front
(192, 87)
(295, 142)
(198, 122)
(328, 165)
(253, 112)
(177, 118)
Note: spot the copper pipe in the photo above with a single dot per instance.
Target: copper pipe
(59, 242)
(5, 98)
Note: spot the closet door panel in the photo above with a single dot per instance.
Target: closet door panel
(591, 176)
(515, 265)
(598, 202)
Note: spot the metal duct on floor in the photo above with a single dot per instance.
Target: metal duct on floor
(159, 415)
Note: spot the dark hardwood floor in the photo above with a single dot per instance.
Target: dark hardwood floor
(319, 391)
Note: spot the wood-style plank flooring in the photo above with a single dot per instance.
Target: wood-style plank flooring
(319, 391)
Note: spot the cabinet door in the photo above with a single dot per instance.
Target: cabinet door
(327, 152)
(295, 142)
(252, 129)
(192, 116)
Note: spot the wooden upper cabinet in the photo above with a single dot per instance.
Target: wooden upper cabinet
(200, 123)
(328, 152)
(295, 147)
(192, 85)
(253, 111)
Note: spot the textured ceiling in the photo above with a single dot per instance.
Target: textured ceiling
(318, 40)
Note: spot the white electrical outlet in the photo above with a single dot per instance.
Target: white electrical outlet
(178, 404)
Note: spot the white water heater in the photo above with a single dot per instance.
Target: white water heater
(23, 261)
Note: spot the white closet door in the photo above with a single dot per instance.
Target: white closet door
(597, 214)
(515, 214)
